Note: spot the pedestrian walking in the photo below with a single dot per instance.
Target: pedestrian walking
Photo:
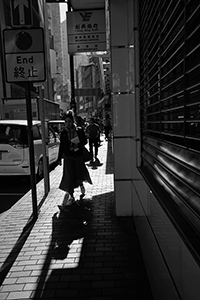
(92, 132)
(107, 127)
(80, 122)
(98, 122)
(75, 172)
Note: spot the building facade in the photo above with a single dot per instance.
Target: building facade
(155, 99)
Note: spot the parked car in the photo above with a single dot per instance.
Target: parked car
(14, 149)
(57, 125)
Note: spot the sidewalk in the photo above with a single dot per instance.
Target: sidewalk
(78, 254)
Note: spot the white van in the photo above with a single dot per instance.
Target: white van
(14, 150)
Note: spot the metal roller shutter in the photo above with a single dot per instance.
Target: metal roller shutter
(170, 109)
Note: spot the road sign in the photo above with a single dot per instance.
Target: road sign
(21, 13)
(24, 40)
(24, 55)
(25, 67)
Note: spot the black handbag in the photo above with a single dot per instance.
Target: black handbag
(87, 156)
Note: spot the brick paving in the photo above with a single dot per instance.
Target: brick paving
(85, 252)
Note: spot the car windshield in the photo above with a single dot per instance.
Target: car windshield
(13, 134)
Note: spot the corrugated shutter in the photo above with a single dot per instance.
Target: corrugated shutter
(170, 103)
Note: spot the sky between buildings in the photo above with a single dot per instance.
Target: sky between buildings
(63, 9)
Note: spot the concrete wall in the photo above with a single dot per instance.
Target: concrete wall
(125, 104)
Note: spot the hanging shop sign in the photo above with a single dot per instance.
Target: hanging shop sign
(86, 31)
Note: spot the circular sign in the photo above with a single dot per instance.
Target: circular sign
(23, 40)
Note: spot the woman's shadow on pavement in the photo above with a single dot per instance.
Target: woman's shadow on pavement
(69, 225)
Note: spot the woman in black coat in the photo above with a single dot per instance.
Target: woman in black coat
(75, 172)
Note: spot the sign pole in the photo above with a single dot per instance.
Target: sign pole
(44, 128)
(73, 102)
(31, 148)
(24, 61)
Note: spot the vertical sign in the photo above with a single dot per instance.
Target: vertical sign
(21, 13)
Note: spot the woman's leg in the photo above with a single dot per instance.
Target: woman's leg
(96, 146)
(106, 131)
(82, 189)
(91, 149)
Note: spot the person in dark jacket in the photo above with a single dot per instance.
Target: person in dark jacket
(107, 127)
(75, 172)
(93, 132)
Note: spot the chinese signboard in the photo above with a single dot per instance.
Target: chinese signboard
(24, 55)
(86, 31)
(21, 13)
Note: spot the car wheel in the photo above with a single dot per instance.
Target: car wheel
(40, 170)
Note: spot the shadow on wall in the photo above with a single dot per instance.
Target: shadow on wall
(109, 159)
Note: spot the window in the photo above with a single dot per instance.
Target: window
(13, 134)
(36, 133)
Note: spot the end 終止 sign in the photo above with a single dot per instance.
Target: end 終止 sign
(24, 55)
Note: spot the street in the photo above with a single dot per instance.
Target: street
(11, 190)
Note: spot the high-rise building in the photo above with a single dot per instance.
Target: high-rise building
(65, 55)
(53, 13)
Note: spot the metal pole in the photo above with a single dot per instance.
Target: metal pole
(44, 129)
(31, 148)
(73, 102)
